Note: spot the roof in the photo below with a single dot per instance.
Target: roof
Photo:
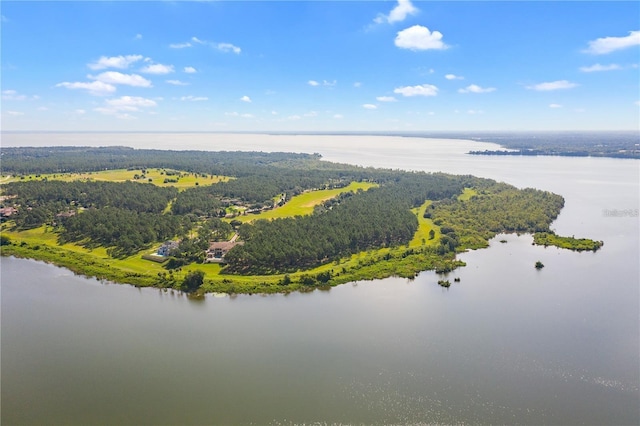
(223, 245)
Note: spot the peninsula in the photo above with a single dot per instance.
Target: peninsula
(251, 222)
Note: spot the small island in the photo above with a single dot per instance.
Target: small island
(444, 283)
(251, 222)
(570, 243)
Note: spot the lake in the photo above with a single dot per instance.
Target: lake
(508, 344)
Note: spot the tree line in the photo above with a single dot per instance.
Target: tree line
(32, 160)
(140, 197)
(351, 223)
(123, 232)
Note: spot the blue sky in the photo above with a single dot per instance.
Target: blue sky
(320, 66)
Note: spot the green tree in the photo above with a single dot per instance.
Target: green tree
(192, 281)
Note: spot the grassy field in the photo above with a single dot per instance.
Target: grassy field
(424, 226)
(303, 204)
(467, 193)
(45, 236)
(155, 176)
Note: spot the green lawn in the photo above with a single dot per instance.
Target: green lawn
(303, 204)
(185, 180)
(44, 235)
(424, 226)
(467, 193)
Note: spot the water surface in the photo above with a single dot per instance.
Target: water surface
(508, 344)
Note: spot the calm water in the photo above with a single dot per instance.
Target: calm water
(507, 344)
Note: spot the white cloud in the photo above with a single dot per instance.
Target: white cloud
(177, 82)
(324, 83)
(80, 111)
(197, 40)
(231, 114)
(138, 37)
(120, 62)
(419, 38)
(637, 103)
(190, 70)
(553, 85)
(247, 116)
(605, 45)
(311, 114)
(96, 88)
(598, 67)
(294, 117)
(194, 98)
(357, 84)
(12, 95)
(157, 69)
(399, 13)
(555, 106)
(245, 99)
(369, 106)
(126, 117)
(15, 113)
(129, 102)
(453, 77)
(474, 88)
(338, 116)
(180, 45)
(42, 108)
(274, 112)
(120, 107)
(228, 47)
(422, 90)
(386, 99)
(115, 77)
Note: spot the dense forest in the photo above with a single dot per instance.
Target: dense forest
(128, 218)
(352, 223)
(497, 207)
(86, 159)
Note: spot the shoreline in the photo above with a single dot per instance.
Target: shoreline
(364, 266)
